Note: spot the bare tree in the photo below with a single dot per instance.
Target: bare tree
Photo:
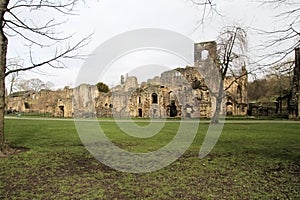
(13, 78)
(284, 38)
(34, 84)
(232, 48)
(22, 85)
(208, 8)
(48, 85)
(26, 20)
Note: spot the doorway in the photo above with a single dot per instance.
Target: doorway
(140, 112)
(62, 111)
(173, 109)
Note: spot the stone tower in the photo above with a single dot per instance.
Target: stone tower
(204, 50)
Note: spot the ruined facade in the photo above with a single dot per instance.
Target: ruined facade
(236, 94)
(55, 103)
(182, 92)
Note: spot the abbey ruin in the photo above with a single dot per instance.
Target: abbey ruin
(181, 92)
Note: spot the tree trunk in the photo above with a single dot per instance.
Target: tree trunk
(4, 148)
(219, 98)
(12, 82)
(215, 119)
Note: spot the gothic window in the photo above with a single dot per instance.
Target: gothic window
(154, 98)
(26, 105)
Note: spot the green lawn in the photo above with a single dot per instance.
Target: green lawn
(250, 161)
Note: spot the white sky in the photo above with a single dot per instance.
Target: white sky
(108, 18)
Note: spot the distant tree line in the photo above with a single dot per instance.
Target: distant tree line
(34, 84)
(269, 88)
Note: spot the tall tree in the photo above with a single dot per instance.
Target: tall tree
(232, 48)
(34, 22)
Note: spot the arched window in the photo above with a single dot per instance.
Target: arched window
(177, 74)
(239, 91)
(204, 55)
(154, 98)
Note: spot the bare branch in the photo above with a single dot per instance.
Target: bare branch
(41, 30)
(209, 7)
(232, 46)
(203, 2)
(19, 27)
(28, 38)
(282, 41)
(56, 58)
(236, 78)
(278, 3)
(64, 8)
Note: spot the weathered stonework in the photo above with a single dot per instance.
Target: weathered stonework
(182, 92)
(84, 101)
(177, 93)
(57, 103)
(236, 94)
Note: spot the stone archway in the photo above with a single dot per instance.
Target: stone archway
(62, 110)
(229, 108)
(154, 98)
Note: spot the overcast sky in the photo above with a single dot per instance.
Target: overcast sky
(108, 18)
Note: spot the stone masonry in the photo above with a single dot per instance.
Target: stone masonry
(181, 92)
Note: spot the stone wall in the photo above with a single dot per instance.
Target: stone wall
(182, 92)
(84, 101)
(236, 94)
(56, 103)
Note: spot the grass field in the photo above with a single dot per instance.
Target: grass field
(250, 161)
